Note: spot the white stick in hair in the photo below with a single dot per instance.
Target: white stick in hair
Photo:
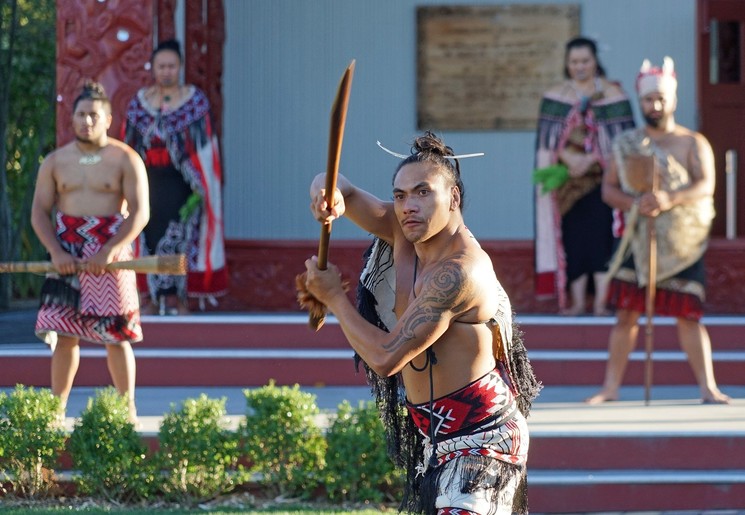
(403, 156)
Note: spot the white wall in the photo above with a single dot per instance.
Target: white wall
(283, 61)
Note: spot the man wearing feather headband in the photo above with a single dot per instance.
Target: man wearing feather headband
(679, 201)
(434, 329)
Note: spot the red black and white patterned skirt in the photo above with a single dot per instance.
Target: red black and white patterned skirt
(97, 308)
(479, 419)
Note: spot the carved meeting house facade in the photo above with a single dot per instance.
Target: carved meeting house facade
(112, 42)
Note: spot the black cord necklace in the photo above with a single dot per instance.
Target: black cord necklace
(429, 362)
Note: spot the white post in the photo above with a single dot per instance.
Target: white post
(730, 170)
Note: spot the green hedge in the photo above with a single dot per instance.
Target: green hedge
(30, 441)
(108, 453)
(282, 446)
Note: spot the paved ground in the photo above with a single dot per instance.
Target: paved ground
(558, 411)
(17, 326)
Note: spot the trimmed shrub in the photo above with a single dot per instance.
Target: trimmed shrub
(282, 440)
(109, 453)
(197, 452)
(358, 468)
(31, 439)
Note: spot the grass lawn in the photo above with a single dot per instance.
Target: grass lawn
(230, 504)
(166, 511)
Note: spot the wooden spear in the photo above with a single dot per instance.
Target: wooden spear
(651, 292)
(166, 265)
(336, 135)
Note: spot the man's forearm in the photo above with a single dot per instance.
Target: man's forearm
(696, 191)
(617, 198)
(42, 226)
(366, 339)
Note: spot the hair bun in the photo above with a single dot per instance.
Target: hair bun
(169, 44)
(429, 142)
(93, 89)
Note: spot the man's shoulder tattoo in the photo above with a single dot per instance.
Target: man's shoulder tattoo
(443, 291)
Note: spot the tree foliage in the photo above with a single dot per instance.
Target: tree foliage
(27, 125)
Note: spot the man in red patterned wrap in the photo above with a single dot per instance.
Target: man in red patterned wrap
(90, 203)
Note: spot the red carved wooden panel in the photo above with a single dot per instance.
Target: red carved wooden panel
(166, 15)
(203, 49)
(263, 273)
(112, 41)
(105, 41)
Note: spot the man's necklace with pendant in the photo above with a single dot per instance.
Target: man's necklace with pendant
(88, 159)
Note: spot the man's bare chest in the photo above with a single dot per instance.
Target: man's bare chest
(101, 177)
(406, 275)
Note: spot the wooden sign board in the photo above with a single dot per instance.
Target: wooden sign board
(487, 67)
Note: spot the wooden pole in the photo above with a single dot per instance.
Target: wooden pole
(651, 293)
(166, 265)
(336, 136)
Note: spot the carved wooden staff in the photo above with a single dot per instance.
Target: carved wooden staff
(336, 135)
(166, 265)
(651, 292)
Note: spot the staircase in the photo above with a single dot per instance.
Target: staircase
(674, 454)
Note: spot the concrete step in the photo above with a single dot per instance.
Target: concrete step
(669, 367)
(643, 490)
(673, 454)
(271, 331)
(216, 366)
(591, 333)
(291, 331)
(190, 367)
(250, 350)
(319, 367)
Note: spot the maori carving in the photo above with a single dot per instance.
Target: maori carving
(166, 15)
(107, 41)
(111, 41)
(266, 271)
(725, 272)
(205, 39)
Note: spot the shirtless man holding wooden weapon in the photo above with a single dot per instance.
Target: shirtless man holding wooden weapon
(90, 203)
(678, 204)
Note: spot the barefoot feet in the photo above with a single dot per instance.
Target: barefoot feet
(573, 311)
(714, 397)
(601, 397)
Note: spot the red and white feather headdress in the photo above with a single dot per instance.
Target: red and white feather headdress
(652, 79)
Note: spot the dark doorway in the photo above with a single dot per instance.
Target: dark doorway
(721, 87)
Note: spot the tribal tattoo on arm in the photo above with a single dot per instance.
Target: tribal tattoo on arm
(444, 291)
